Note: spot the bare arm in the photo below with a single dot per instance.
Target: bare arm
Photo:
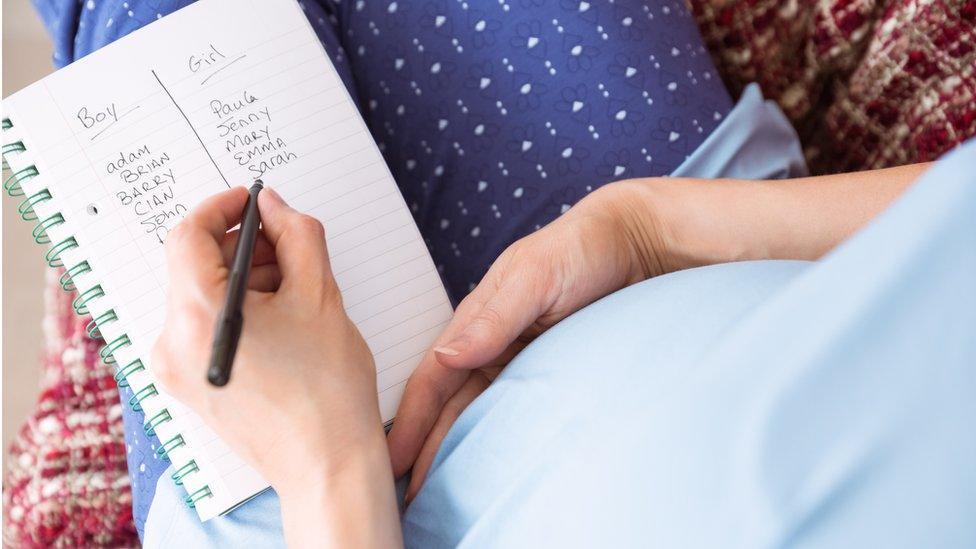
(701, 222)
(354, 507)
(621, 234)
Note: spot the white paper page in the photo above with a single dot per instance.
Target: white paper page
(130, 138)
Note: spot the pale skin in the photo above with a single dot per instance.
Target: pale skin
(302, 407)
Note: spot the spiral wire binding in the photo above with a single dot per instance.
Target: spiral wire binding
(13, 186)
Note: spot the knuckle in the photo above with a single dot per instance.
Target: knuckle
(163, 368)
(309, 225)
(454, 408)
(330, 296)
(176, 236)
(198, 317)
(490, 317)
(430, 385)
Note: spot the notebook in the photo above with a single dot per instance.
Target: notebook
(109, 153)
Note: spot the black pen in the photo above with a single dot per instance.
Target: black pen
(228, 331)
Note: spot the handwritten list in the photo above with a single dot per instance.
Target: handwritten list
(130, 138)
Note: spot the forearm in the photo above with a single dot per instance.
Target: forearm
(350, 506)
(692, 222)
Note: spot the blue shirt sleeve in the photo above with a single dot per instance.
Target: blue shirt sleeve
(79, 27)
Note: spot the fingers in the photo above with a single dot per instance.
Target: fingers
(264, 278)
(264, 252)
(492, 317)
(428, 390)
(483, 332)
(193, 247)
(476, 383)
(299, 244)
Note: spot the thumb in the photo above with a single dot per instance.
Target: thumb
(491, 318)
(298, 241)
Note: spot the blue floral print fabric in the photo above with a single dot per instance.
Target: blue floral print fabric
(494, 116)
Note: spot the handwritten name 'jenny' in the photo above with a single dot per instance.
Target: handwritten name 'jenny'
(228, 126)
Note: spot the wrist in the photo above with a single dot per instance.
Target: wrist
(351, 503)
(660, 231)
(674, 224)
(312, 466)
(679, 223)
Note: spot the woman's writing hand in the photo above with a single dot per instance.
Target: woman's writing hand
(587, 253)
(301, 404)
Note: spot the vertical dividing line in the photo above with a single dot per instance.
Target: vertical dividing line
(188, 123)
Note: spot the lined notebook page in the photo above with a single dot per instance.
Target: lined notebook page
(217, 94)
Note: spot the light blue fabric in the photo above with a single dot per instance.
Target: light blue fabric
(766, 404)
(754, 141)
(758, 404)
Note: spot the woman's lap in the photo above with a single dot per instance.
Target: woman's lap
(760, 404)
(558, 415)
(751, 404)
(800, 419)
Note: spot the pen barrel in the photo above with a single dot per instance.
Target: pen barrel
(244, 251)
(228, 329)
(224, 348)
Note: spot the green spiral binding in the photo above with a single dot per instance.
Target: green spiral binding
(107, 352)
(6, 126)
(81, 302)
(67, 279)
(192, 499)
(26, 208)
(121, 376)
(40, 231)
(135, 401)
(15, 147)
(12, 184)
(158, 419)
(180, 474)
(53, 256)
(93, 326)
(173, 443)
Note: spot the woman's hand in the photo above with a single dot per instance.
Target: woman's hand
(301, 406)
(584, 255)
(620, 234)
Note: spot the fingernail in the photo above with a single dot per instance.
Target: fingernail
(446, 351)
